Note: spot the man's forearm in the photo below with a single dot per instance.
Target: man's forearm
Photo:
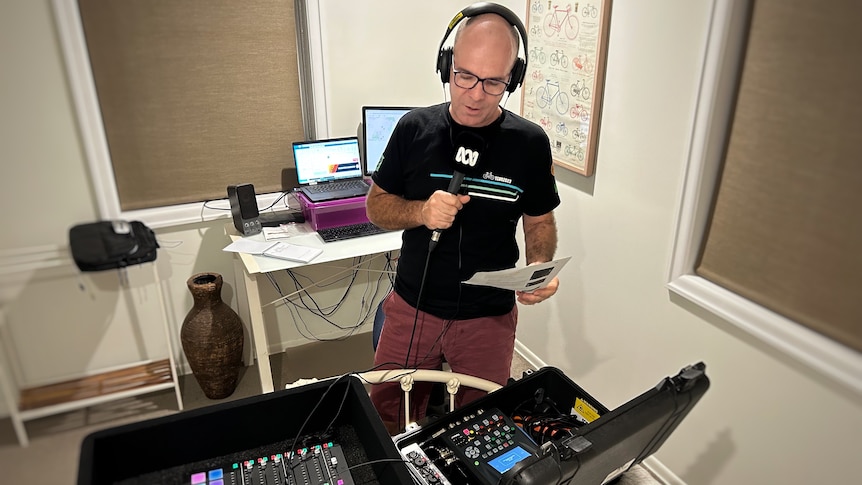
(393, 212)
(540, 237)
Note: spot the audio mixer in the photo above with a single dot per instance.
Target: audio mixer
(324, 432)
(320, 464)
(478, 448)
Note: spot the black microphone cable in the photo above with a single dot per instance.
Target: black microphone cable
(416, 315)
(446, 325)
(468, 146)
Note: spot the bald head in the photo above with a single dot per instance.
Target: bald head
(491, 29)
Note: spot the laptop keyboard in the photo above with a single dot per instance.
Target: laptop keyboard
(337, 186)
(349, 232)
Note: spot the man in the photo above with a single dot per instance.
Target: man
(430, 316)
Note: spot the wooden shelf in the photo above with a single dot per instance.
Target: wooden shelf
(132, 379)
(96, 386)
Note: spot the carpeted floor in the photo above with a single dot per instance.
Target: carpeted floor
(52, 457)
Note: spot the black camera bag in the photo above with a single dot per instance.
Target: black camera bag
(97, 246)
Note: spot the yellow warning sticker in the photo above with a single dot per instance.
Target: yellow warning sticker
(586, 411)
(456, 19)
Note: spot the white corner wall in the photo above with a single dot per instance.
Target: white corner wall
(613, 328)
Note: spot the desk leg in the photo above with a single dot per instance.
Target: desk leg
(242, 307)
(258, 330)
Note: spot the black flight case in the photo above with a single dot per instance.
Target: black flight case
(545, 429)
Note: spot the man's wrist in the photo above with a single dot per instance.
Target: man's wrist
(420, 214)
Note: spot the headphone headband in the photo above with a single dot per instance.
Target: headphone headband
(444, 56)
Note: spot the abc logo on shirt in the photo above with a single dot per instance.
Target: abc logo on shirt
(466, 156)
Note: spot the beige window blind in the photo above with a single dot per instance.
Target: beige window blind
(194, 95)
(786, 227)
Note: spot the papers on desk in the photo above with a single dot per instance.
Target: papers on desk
(530, 278)
(279, 249)
(285, 231)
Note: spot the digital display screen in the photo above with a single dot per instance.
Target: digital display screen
(508, 459)
(377, 126)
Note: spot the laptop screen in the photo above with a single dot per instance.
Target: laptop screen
(327, 160)
(377, 125)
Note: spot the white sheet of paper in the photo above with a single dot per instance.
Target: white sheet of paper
(292, 252)
(248, 246)
(277, 249)
(286, 231)
(520, 279)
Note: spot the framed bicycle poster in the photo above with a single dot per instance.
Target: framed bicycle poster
(562, 90)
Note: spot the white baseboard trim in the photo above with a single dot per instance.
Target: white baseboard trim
(528, 355)
(661, 473)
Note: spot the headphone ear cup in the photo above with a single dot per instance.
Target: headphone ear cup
(444, 64)
(518, 72)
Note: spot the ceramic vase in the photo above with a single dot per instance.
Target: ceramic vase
(212, 337)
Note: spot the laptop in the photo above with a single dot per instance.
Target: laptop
(329, 169)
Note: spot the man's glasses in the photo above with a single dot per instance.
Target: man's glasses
(465, 80)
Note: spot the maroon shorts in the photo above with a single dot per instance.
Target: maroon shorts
(480, 347)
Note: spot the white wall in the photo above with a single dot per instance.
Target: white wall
(385, 52)
(613, 328)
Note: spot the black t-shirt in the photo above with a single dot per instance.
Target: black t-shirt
(513, 176)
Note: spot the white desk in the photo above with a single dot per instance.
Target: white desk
(253, 267)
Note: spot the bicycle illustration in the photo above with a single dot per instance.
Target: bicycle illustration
(583, 64)
(550, 93)
(576, 151)
(580, 135)
(559, 57)
(536, 6)
(580, 91)
(581, 112)
(562, 129)
(545, 122)
(561, 20)
(537, 75)
(590, 10)
(537, 55)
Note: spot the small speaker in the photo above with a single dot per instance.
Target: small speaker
(243, 208)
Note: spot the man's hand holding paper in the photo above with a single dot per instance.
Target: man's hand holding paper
(531, 283)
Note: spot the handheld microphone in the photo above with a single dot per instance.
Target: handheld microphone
(468, 146)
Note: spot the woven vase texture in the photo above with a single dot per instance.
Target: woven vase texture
(212, 337)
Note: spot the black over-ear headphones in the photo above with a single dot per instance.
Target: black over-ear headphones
(444, 56)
